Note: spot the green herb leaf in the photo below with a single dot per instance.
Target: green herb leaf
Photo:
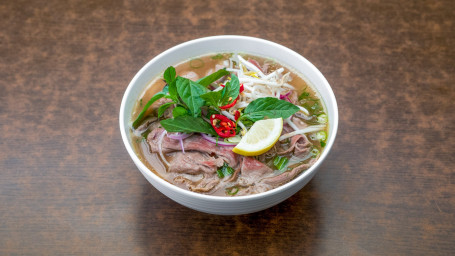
(163, 108)
(230, 91)
(212, 98)
(179, 111)
(225, 170)
(269, 107)
(141, 115)
(206, 81)
(172, 91)
(190, 93)
(221, 97)
(187, 124)
(169, 74)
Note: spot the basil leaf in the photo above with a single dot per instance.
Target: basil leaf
(141, 115)
(187, 124)
(269, 107)
(206, 81)
(163, 108)
(172, 90)
(221, 97)
(179, 111)
(230, 91)
(212, 98)
(190, 93)
(169, 74)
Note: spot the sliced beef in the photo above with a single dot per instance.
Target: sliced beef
(285, 177)
(299, 122)
(204, 185)
(293, 98)
(193, 143)
(202, 158)
(194, 163)
(149, 124)
(262, 68)
(299, 145)
(251, 171)
(255, 189)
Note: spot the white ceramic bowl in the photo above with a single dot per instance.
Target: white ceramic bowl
(216, 44)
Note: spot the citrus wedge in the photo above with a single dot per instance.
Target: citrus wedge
(260, 138)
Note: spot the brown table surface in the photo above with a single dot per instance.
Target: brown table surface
(68, 186)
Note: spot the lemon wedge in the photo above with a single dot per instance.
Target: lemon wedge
(260, 138)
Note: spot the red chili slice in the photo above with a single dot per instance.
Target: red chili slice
(230, 105)
(223, 126)
(237, 115)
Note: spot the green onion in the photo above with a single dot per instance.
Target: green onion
(321, 136)
(322, 118)
(280, 162)
(217, 57)
(232, 191)
(315, 152)
(304, 95)
(196, 63)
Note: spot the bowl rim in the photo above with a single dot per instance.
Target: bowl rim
(333, 122)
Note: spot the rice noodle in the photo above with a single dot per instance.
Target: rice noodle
(290, 123)
(274, 74)
(308, 129)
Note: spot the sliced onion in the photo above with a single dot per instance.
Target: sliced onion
(219, 142)
(180, 137)
(290, 123)
(285, 97)
(160, 150)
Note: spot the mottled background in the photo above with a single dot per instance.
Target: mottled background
(68, 186)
